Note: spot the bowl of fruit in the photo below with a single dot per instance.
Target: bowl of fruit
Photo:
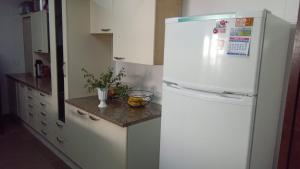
(139, 98)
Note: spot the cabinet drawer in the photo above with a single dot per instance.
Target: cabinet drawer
(32, 119)
(30, 107)
(43, 106)
(30, 99)
(44, 97)
(60, 143)
(59, 128)
(43, 114)
(44, 132)
(43, 124)
(30, 91)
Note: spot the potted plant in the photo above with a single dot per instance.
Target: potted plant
(102, 83)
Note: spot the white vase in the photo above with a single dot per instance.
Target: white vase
(102, 96)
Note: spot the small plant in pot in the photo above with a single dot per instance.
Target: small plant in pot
(103, 83)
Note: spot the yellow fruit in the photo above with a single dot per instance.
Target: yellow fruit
(135, 101)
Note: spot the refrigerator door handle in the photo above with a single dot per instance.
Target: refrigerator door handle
(173, 85)
(228, 96)
(223, 94)
(233, 98)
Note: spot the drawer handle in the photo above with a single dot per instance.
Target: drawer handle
(45, 133)
(59, 140)
(59, 125)
(105, 30)
(30, 105)
(42, 104)
(44, 123)
(93, 118)
(119, 58)
(41, 94)
(30, 114)
(80, 113)
(29, 97)
(43, 114)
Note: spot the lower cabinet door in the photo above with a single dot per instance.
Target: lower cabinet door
(106, 144)
(77, 134)
(22, 103)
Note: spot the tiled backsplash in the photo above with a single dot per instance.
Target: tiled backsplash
(143, 77)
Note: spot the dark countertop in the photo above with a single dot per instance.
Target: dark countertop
(40, 84)
(117, 112)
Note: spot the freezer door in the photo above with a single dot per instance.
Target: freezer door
(205, 131)
(196, 57)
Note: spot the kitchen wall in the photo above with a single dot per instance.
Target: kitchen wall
(11, 44)
(150, 77)
(143, 77)
(286, 9)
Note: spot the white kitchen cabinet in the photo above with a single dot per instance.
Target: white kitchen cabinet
(106, 144)
(77, 134)
(32, 116)
(96, 143)
(138, 28)
(45, 119)
(101, 16)
(39, 32)
(21, 102)
(35, 110)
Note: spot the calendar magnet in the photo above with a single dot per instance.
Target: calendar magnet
(239, 46)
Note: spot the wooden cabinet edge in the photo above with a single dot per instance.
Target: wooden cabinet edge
(164, 9)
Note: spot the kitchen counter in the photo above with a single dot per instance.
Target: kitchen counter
(40, 84)
(117, 112)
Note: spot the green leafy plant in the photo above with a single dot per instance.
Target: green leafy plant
(106, 79)
(121, 90)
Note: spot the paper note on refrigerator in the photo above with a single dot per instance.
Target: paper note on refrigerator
(239, 46)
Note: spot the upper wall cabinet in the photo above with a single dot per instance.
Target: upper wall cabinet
(139, 29)
(101, 16)
(39, 32)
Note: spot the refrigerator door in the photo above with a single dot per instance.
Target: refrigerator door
(204, 130)
(198, 58)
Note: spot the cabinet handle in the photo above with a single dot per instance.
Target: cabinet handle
(80, 113)
(59, 140)
(38, 51)
(44, 123)
(44, 132)
(59, 125)
(119, 58)
(42, 104)
(29, 97)
(43, 114)
(41, 94)
(105, 30)
(93, 118)
(30, 105)
(30, 114)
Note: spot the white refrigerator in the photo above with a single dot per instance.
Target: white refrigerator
(222, 92)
